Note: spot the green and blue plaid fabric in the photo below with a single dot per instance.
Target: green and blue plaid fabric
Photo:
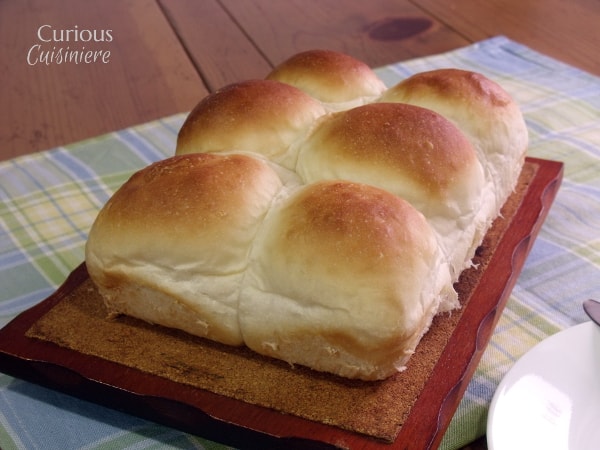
(50, 199)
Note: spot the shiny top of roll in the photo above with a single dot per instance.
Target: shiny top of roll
(329, 76)
(410, 151)
(261, 116)
(210, 202)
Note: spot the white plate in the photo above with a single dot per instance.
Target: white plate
(550, 399)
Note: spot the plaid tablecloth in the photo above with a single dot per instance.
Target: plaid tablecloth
(50, 199)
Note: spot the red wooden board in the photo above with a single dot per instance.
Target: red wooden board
(244, 425)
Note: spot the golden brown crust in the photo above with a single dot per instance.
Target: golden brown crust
(174, 204)
(463, 87)
(261, 116)
(484, 112)
(392, 139)
(356, 227)
(183, 193)
(329, 76)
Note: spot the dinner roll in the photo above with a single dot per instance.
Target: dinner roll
(483, 110)
(413, 153)
(344, 278)
(334, 78)
(260, 116)
(171, 245)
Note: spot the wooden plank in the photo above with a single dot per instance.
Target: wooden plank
(378, 32)
(220, 50)
(243, 40)
(567, 31)
(47, 103)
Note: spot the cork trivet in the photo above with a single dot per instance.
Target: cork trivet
(377, 409)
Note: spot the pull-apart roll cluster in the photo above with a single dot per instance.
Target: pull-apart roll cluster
(314, 216)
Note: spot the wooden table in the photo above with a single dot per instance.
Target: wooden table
(162, 56)
(166, 54)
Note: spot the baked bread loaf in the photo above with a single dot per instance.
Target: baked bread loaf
(314, 217)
